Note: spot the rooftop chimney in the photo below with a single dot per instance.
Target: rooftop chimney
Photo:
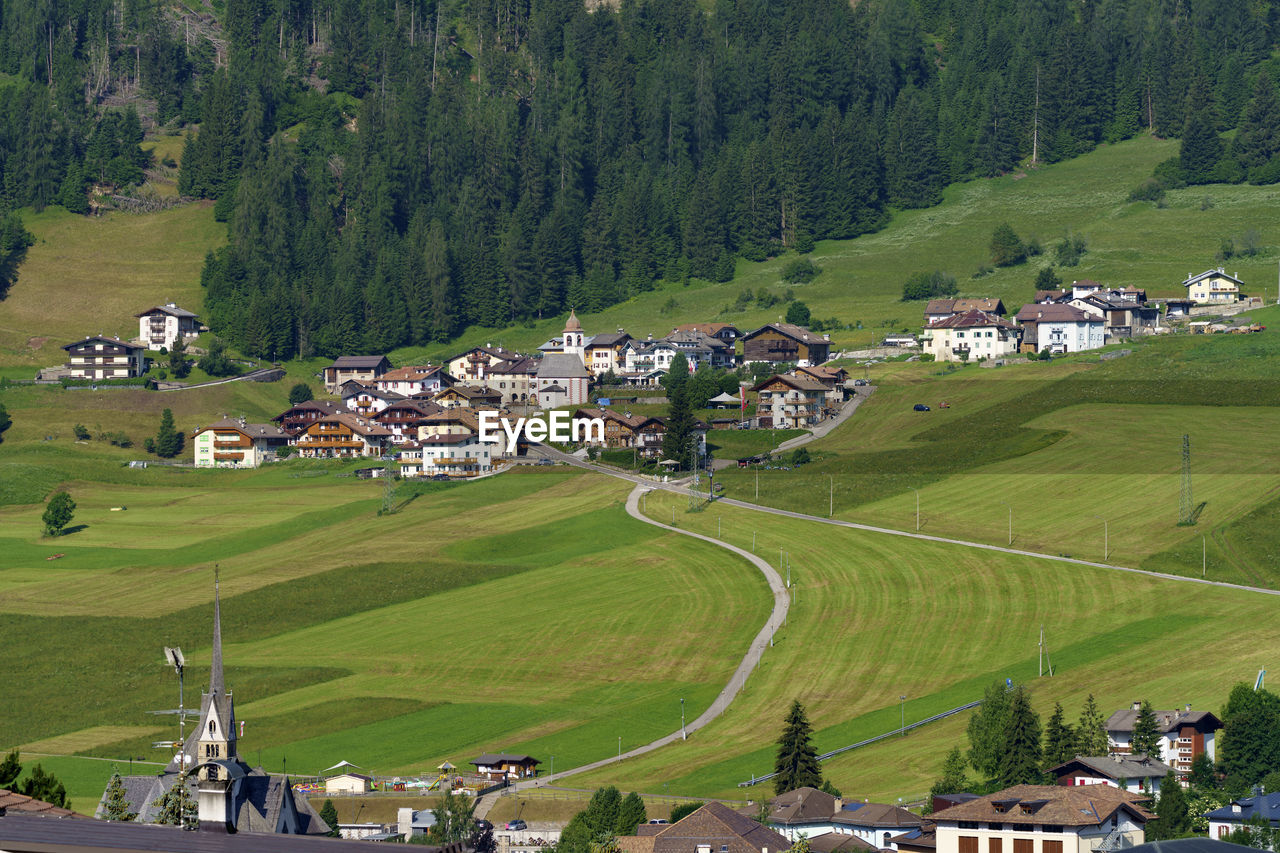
(214, 802)
(1137, 706)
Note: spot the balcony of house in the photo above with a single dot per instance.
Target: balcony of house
(332, 442)
(236, 458)
(960, 350)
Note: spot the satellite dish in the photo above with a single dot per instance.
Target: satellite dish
(174, 657)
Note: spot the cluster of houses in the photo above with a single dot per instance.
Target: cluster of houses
(1084, 316)
(430, 416)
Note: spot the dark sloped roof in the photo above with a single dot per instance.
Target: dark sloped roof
(1117, 767)
(972, 318)
(1166, 721)
(797, 333)
(358, 362)
(1190, 845)
(559, 365)
(838, 842)
(1054, 313)
(113, 341)
(171, 310)
(15, 803)
(716, 821)
(876, 814)
(803, 805)
(1081, 805)
(490, 758)
(1266, 806)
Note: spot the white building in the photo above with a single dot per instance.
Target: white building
(455, 454)
(162, 325)
(1060, 328)
(1183, 735)
(562, 380)
(970, 336)
(1238, 813)
(236, 444)
(413, 379)
(1134, 773)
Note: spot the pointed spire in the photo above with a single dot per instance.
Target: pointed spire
(215, 674)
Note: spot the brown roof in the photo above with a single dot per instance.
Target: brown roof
(797, 333)
(1167, 721)
(1054, 313)
(523, 364)
(876, 814)
(572, 324)
(358, 362)
(714, 824)
(838, 842)
(408, 373)
(328, 407)
(972, 318)
(1083, 805)
(803, 805)
(357, 423)
(470, 392)
(251, 430)
(798, 382)
(959, 306)
(1116, 767)
(705, 328)
(13, 802)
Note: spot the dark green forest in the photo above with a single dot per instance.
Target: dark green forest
(392, 171)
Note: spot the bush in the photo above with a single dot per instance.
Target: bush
(216, 363)
(1169, 174)
(929, 285)
(1006, 247)
(1149, 190)
(1047, 279)
(983, 270)
(300, 393)
(798, 314)
(1068, 252)
(1267, 173)
(800, 271)
(799, 456)
(82, 433)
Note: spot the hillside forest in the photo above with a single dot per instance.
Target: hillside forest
(392, 171)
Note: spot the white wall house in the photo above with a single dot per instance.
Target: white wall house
(1060, 328)
(970, 336)
(1239, 813)
(162, 325)
(1043, 819)
(1184, 734)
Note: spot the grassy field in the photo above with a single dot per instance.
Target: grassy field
(521, 612)
(878, 617)
(91, 275)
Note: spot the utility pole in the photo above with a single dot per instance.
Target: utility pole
(684, 735)
(1204, 555)
(1106, 548)
(831, 500)
(1035, 124)
(902, 715)
(1010, 525)
(917, 491)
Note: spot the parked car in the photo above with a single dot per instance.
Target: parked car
(517, 824)
(859, 382)
(545, 462)
(920, 407)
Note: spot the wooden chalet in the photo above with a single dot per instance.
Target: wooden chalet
(234, 443)
(504, 765)
(297, 418)
(468, 396)
(787, 401)
(785, 342)
(345, 434)
(403, 417)
(362, 368)
(105, 358)
(473, 365)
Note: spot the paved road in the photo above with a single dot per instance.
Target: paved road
(861, 392)
(750, 660)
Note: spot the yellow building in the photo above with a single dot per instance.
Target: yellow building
(1213, 287)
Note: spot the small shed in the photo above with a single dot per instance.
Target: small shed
(348, 783)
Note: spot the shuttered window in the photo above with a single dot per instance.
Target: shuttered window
(1023, 845)
(1052, 846)
(993, 845)
(968, 844)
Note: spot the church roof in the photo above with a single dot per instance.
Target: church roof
(558, 365)
(572, 324)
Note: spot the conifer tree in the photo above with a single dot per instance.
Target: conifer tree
(1059, 739)
(797, 762)
(5, 421)
(168, 439)
(45, 786)
(10, 770)
(1173, 817)
(1007, 248)
(1146, 733)
(1019, 762)
(179, 366)
(1259, 138)
(329, 814)
(1091, 731)
(177, 807)
(117, 806)
(631, 813)
(987, 730)
(953, 780)
(1201, 146)
(676, 441)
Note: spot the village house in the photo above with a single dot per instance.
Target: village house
(787, 401)
(362, 368)
(231, 795)
(648, 357)
(703, 349)
(1183, 735)
(1134, 773)
(1240, 813)
(413, 379)
(298, 417)
(1059, 328)
(1085, 287)
(1213, 287)
(940, 309)
(810, 813)
(468, 396)
(161, 326)
(474, 364)
(513, 380)
(366, 399)
(343, 435)
(785, 342)
(105, 358)
(405, 416)
(453, 454)
(499, 766)
(831, 378)
(726, 332)
(233, 443)
(620, 429)
(1123, 315)
(972, 335)
(1043, 819)
(713, 828)
(603, 352)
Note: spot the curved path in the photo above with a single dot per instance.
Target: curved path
(762, 641)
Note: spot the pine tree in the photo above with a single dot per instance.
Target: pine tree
(1201, 146)
(677, 438)
(1059, 739)
(329, 814)
(1007, 248)
(1173, 817)
(117, 806)
(1019, 762)
(953, 780)
(179, 366)
(1202, 778)
(1259, 138)
(1091, 731)
(1146, 733)
(168, 439)
(630, 814)
(300, 393)
(10, 770)
(986, 730)
(797, 762)
(5, 421)
(177, 807)
(45, 786)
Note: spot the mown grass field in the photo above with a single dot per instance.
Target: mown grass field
(521, 612)
(878, 617)
(91, 275)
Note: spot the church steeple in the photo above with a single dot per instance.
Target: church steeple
(215, 675)
(216, 738)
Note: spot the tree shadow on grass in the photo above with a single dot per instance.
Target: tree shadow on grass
(75, 528)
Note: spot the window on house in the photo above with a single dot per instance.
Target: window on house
(1051, 846)
(994, 844)
(968, 844)
(1023, 845)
